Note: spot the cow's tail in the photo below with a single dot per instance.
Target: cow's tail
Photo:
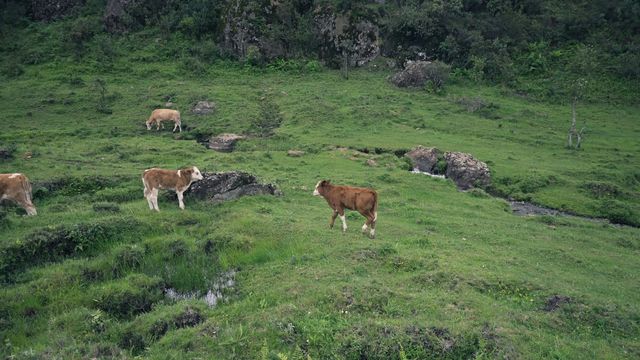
(28, 191)
(375, 206)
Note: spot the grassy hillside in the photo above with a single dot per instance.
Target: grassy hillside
(451, 274)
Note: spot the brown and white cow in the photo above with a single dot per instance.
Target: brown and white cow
(365, 201)
(160, 115)
(16, 187)
(176, 180)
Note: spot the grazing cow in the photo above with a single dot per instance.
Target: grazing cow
(177, 180)
(365, 201)
(160, 115)
(16, 187)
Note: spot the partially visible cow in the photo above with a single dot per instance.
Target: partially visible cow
(363, 200)
(160, 115)
(16, 187)
(176, 180)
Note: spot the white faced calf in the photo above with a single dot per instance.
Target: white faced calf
(16, 187)
(176, 180)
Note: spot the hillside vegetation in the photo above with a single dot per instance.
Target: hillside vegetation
(451, 274)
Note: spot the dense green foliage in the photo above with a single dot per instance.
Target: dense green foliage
(540, 48)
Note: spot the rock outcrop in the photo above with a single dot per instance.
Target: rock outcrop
(424, 159)
(466, 171)
(203, 108)
(340, 35)
(224, 142)
(225, 186)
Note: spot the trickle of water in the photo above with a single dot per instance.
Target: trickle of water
(416, 171)
(213, 296)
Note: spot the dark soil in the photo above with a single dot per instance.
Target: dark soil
(553, 303)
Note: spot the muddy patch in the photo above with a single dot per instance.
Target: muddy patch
(555, 302)
(218, 293)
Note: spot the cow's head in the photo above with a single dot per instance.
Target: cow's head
(197, 175)
(149, 124)
(191, 173)
(319, 190)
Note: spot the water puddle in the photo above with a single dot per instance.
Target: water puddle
(215, 295)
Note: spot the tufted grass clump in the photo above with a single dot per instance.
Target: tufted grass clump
(130, 296)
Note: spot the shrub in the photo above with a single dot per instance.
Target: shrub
(127, 257)
(120, 194)
(619, 213)
(131, 296)
(7, 152)
(602, 189)
(102, 102)
(12, 69)
(55, 243)
(106, 207)
(269, 119)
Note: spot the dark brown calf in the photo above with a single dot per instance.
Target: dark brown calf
(16, 187)
(365, 201)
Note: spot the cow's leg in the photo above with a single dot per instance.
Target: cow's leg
(154, 199)
(147, 195)
(175, 127)
(180, 197)
(372, 233)
(333, 218)
(343, 218)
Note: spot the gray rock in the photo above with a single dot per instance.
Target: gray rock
(224, 142)
(340, 34)
(371, 162)
(417, 73)
(225, 186)
(5, 154)
(466, 171)
(169, 105)
(424, 159)
(203, 108)
(115, 15)
(295, 153)
(53, 9)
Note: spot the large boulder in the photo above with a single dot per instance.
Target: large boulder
(224, 142)
(466, 171)
(203, 108)
(424, 159)
(418, 73)
(48, 10)
(224, 186)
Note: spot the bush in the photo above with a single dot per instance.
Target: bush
(132, 295)
(12, 69)
(106, 207)
(7, 152)
(619, 213)
(269, 119)
(127, 257)
(55, 243)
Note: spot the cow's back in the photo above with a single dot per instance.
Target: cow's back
(11, 185)
(165, 114)
(356, 198)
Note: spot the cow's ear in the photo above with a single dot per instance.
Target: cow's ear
(188, 170)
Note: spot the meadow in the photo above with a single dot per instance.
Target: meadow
(450, 275)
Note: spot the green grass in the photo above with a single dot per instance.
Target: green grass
(451, 274)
